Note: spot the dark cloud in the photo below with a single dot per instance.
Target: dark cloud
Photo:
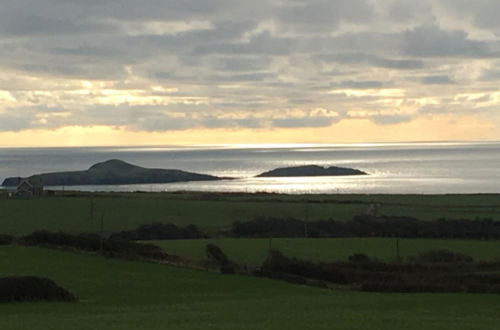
(490, 75)
(251, 77)
(261, 44)
(369, 84)
(47, 17)
(20, 118)
(324, 15)
(437, 80)
(87, 51)
(398, 64)
(236, 64)
(14, 123)
(391, 119)
(292, 122)
(373, 60)
(483, 13)
(431, 41)
(407, 11)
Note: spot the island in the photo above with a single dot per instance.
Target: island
(311, 170)
(111, 172)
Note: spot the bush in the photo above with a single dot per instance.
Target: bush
(410, 288)
(30, 288)
(281, 276)
(92, 242)
(6, 239)
(442, 256)
(359, 257)
(158, 231)
(278, 263)
(369, 226)
(215, 253)
(218, 257)
(373, 275)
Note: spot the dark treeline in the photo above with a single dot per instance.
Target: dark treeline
(373, 275)
(6, 239)
(158, 231)
(359, 226)
(92, 242)
(369, 226)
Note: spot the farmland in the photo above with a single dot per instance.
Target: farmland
(254, 251)
(119, 294)
(116, 294)
(79, 212)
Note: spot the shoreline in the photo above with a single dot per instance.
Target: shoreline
(85, 193)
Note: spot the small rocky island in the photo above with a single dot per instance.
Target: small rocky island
(111, 172)
(311, 170)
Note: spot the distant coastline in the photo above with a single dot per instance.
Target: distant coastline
(111, 172)
(311, 170)
(393, 169)
(118, 172)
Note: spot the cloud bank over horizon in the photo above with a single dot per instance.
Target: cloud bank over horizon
(165, 66)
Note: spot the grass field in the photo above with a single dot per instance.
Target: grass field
(254, 251)
(123, 295)
(212, 212)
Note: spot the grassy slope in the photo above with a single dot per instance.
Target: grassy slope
(131, 295)
(253, 251)
(127, 211)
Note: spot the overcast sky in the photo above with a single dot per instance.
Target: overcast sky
(210, 71)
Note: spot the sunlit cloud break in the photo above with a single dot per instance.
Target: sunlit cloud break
(222, 71)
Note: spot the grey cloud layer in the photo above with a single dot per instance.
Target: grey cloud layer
(226, 63)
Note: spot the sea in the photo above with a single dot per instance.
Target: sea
(393, 168)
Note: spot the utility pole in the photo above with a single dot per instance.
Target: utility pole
(92, 207)
(306, 234)
(270, 247)
(398, 255)
(101, 240)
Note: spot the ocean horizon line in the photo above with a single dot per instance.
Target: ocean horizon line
(165, 147)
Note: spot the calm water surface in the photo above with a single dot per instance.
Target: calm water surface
(393, 168)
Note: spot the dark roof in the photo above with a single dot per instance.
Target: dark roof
(30, 183)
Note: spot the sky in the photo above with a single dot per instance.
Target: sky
(174, 72)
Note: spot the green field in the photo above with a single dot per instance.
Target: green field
(116, 294)
(212, 212)
(254, 251)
